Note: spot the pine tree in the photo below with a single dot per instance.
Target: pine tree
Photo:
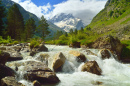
(71, 31)
(15, 24)
(76, 31)
(2, 15)
(30, 28)
(43, 27)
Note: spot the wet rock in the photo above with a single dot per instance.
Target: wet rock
(90, 52)
(75, 45)
(15, 56)
(109, 42)
(58, 62)
(79, 56)
(10, 81)
(43, 58)
(36, 83)
(91, 67)
(17, 48)
(4, 57)
(2, 48)
(105, 53)
(42, 47)
(40, 72)
(32, 53)
(5, 71)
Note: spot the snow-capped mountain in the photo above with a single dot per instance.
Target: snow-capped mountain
(67, 22)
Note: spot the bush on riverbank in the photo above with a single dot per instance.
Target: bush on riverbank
(126, 50)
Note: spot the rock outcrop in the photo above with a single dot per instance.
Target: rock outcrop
(40, 72)
(10, 81)
(5, 71)
(79, 56)
(58, 62)
(75, 45)
(109, 42)
(91, 67)
(105, 53)
(4, 57)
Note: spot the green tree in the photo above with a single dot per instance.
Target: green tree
(43, 27)
(30, 28)
(2, 15)
(75, 31)
(82, 30)
(15, 24)
(66, 34)
(71, 31)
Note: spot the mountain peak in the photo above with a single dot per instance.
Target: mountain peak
(67, 21)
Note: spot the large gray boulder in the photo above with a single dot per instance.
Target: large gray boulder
(40, 72)
(91, 67)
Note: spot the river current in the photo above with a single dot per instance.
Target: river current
(114, 73)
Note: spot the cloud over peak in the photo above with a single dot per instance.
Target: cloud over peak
(83, 9)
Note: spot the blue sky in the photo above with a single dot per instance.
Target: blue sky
(44, 2)
(83, 9)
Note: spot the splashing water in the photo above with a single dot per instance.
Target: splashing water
(114, 73)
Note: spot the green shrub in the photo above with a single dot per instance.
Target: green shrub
(15, 42)
(34, 44)
(61, 42)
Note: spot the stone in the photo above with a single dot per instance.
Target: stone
(75, 45)
(10, 81)
(79, 56)
(105, 53)
(42, 47)
(91, 67)
(2, 48)
(109, 42)
(4, 57)
(36, 83)
(58, 62)
(14, 56)
(32, 53)
(43, 58)
(40, 72)
(6, 71)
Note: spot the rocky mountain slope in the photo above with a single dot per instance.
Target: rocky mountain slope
(26, 15)
(114, 19)
(67, 22)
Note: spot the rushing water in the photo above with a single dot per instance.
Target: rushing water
(114, 73)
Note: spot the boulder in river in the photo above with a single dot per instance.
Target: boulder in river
(36, 83)
(109, 42)
(40, 72)
(79, 56)
(10, 81)
(4, 57)
(105, 53)
(42, 47)
(14, 56)
(58, 62)
(91, 67)
(5, 71)
(75, 45)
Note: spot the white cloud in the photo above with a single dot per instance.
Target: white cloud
(83, 9)
(28, 5)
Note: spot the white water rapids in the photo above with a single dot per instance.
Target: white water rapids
(114, 73)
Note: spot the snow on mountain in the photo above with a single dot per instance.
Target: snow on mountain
(67, 22)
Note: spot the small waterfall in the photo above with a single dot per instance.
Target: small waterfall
(114, 73)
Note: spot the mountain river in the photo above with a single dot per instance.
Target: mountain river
(114, 73)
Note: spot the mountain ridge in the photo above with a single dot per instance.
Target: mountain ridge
(67, 22)
(114, 19)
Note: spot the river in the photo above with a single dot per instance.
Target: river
(114, 73)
